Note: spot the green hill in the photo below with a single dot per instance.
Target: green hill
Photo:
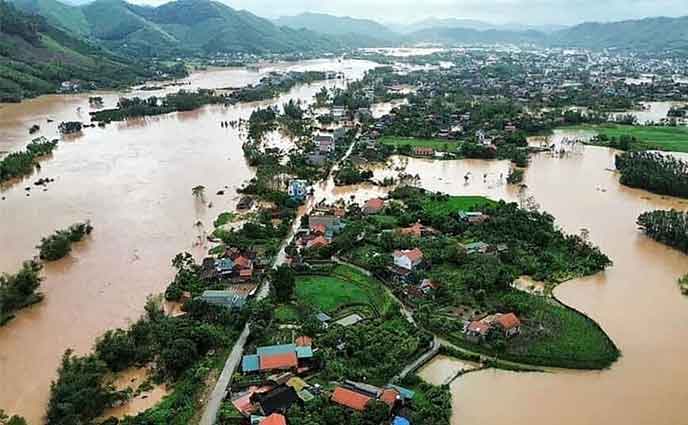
(367, 32)
(67, 17)
(650, 34)
(36, 57)
(177, 28)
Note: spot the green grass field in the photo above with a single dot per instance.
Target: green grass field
(437, 144)
(345, 286)
(455, 204)
(674, 139)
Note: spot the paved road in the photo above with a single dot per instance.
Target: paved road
(212, 407)
(220, 391)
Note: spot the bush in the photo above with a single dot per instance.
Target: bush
(59, 244)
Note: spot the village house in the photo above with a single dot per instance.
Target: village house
(277, 400)
(357, 395)
(373, 206)
(418, 230)
(507, 323)
(325, 143)
(298, 189)
(226, 298)
(338, 112)
(324, 319)
(408, 259)
(423, 151)
(473, 217)
(285, 357)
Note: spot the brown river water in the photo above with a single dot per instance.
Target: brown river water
(636, 301)
(133, 181)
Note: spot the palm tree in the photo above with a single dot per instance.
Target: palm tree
(198, 192)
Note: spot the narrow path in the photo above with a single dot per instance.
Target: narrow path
(419, 362)
(220, 391)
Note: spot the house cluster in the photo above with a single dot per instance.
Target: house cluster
(270, 399)
(325, 144)
(478, 330)
(323, 225)
(296, 357)
(237, 270)
(275, 385)
(357, 396)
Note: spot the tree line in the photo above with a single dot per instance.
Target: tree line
(667, 227)
(661, 174)
(21, 163)
(59, 244)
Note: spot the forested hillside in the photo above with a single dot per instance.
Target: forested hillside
(36, 57)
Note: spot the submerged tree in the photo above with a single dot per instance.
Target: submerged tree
(198, 192)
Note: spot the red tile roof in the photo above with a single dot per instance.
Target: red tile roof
(374, 204)
(274, 419)
(278, 361)
(317, 242)
(479, 327)
(318, 228)
(242, 262)
(389, 396)
(415, 255)
(508, 321)
(350, 399)
(304, 341)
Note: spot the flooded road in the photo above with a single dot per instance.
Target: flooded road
(133, 181)
(636, 301)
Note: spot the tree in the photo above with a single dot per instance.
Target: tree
(80, 392)
(375, 413)
(14, 420)
(283, 282)
(198, 192)
(181, 353)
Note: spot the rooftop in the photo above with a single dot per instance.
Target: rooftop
(350, 399)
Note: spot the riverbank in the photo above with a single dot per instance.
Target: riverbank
(146, 215)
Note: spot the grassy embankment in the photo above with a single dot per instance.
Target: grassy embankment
(673, 139)
(440, 145)
(344, 291)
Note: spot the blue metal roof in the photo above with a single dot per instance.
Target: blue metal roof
(304, 352)
(276, 349)
(399, 420)
(250, 363)
(224, 264)
(323, 317)
(404, 392)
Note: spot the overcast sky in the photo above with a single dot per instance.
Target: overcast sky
(495, 11)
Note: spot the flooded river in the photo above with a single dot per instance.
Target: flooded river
(637, 301)
(133, 181)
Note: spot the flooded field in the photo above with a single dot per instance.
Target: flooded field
(133, 181)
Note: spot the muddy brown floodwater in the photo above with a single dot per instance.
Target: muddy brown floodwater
(636, 301)
(133, 180)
